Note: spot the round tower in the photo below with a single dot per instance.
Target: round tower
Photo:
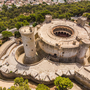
(28, 39)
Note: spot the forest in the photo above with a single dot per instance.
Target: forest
(26, 14)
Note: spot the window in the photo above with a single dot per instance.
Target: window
(55, 55)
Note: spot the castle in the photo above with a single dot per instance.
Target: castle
(62, 40)
(61, 49)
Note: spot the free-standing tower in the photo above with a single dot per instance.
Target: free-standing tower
(27, 33)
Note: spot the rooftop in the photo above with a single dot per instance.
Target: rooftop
(26, 30)
(45, 32)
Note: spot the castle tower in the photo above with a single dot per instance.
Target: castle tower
(48, 18)
(81, 21)
(28, 39)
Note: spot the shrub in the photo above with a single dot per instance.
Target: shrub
(0, 88)
(42, 87)
(63, 83)
(17, 34)
(18, 81)
(4, 88)
(10, 71)
(34, 24)
(7, 34)
(20, 84)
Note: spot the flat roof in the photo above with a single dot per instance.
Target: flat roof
(46, 35)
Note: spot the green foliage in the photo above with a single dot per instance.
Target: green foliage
(20, 84)
(42, 87)
(0, 88)
(4, 7)
(26, 81)
(17, 34)
(13, 6)
(34, 24)
(89, 23)
(18, 81)
(25, 87)
(39, 18)
(12, 88)
(43, 13)
(61, 16)
(7, 34)
(19, 24)
(21, 16)
(4, 88)
(10, 71)
(63, 83)
(25, 22)
(2, 27)
(31, 18)
(87, 15)
(65, 0)
(68, 15)
(72, 20)
(44, 3)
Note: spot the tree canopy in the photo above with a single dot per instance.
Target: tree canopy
(42, 87)
(20, 84)
(63, 83)
(21, 16)
(7, 34)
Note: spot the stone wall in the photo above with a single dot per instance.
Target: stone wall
(5, 47)
(82, 53)
(60, 54)
(82, 80)
(19, 51)
(31, 76)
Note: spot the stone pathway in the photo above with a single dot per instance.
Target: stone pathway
(83, 76)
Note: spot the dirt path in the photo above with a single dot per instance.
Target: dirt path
(6, 84)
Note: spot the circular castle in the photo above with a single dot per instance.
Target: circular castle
(62, 41)
(61, 49)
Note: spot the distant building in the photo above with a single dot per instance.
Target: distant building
(61, 1)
